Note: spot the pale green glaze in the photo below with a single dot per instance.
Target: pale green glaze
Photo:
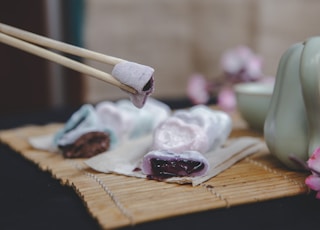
(310, 77)
(253, 101)
(285, 128)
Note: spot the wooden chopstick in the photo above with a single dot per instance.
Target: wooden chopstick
(57, 45)
(14, 40)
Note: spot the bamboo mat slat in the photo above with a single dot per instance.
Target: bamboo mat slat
(117, 201)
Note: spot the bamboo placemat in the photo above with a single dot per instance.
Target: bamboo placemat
(117, 201)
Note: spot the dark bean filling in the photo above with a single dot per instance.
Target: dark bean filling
(162, 169)
(88, 145)
(148, 86)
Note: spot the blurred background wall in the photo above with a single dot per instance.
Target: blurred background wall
(181, 37)
(176, 37)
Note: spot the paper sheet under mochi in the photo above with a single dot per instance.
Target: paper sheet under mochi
(43, 142)
(127, 157)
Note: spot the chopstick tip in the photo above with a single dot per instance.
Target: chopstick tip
(128, 89)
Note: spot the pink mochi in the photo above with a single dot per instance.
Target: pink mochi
(176, 135)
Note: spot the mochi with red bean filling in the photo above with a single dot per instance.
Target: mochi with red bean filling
(140, 77)
(162, 164)
(83, 135)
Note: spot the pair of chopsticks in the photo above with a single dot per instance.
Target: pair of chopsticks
(33, 43)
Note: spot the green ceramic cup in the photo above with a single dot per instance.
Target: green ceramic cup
(253, 101)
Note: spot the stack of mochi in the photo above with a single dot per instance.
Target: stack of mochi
(180, 141)
(92, 130)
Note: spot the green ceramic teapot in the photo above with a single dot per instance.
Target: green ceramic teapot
(292, 125)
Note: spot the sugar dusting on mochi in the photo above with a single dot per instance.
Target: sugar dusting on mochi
(127, 121)
(176, 135)
(140, 77)
(198, 128)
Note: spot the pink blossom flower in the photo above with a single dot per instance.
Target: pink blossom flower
(197, 89)
(313, 181)
(233, 60)
(227, 99)
(253, 68)
(241, 64)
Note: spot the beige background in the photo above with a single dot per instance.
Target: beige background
(180, 37)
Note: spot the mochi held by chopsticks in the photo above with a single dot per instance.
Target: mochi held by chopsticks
(140, 77)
